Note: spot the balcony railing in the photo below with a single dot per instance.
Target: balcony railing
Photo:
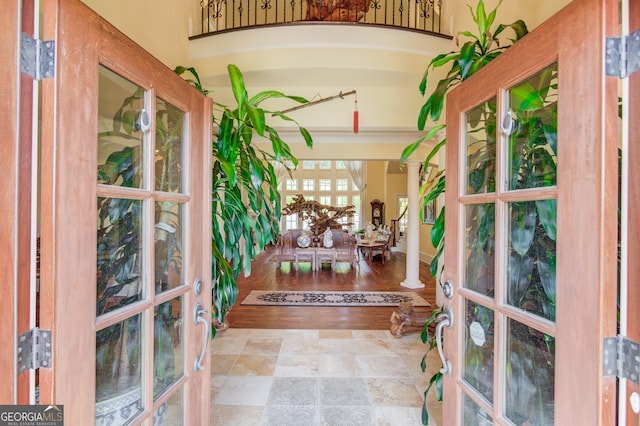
(227, 15)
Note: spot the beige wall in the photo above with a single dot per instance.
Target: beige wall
(376, 187)
(160, 26)
(396, 186)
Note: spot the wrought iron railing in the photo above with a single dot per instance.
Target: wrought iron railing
(226, 15)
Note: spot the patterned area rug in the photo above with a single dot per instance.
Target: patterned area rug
(333, 298)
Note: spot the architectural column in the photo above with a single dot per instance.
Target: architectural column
(413, 225)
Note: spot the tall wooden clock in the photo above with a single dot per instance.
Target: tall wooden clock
(377, 212)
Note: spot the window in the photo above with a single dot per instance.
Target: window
(325, 184)
(292, 184)
(291, 221)
(355, 200)
(327, 181)
(342, 200)
(402, 203)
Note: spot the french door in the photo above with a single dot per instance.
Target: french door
(531, 240)
(125, 236)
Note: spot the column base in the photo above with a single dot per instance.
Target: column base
(412, 284)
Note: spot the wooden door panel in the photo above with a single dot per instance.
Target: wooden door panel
(84, 42)
(585, 192)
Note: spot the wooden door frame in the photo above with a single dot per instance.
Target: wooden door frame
(9, 84)
(633, 273)
(16, 266)
(68, 237)
(586, 242)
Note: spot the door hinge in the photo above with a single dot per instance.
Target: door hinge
(621, 358)
(37, 57)
(34, 349)
(623, 55)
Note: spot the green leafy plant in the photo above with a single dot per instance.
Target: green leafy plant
(474, 54)
(246, 203)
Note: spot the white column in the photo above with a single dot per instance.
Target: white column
(413, 226)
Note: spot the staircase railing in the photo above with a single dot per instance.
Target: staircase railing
(227, 15)
(394, 227)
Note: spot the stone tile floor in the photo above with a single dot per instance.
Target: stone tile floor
(318, 377)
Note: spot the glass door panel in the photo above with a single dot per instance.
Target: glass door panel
(121, 142)
(481, 148)
(120, 272)
(169, 147)
(523, 232)
(531, 247)
(168, 245)
(479, 271)
(479, 349)
(124, 252)
(533, 142)
(530, 369)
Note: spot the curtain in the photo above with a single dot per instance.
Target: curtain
(357, 172)
(280, 170)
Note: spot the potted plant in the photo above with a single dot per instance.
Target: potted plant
(246, 203)
(478, 51)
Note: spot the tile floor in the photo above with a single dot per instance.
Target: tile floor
(317, 377)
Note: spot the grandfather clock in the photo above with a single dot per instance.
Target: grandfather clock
(377, 212)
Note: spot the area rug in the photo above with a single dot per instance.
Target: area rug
(333, 298)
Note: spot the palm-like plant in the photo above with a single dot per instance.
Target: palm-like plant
(474, 54)
(246, 203)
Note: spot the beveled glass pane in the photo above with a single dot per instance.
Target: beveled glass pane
(478, 348)
(119, 253)
(531, 276)
(480, 248)
(473, 414)
(120, 138)
(167, 344)
(529, 375)
(171, 412)
(533, 147)
(168, 245)
(169, 143)
(480, 140)
(119, 372)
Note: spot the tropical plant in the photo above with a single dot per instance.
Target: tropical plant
(246, 203)
(474, 54)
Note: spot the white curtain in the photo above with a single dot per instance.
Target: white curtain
(280, 170)
(357, 172)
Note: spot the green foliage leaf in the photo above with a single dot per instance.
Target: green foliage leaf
(409, 150)
(523, 226)
(237, 85)
(547, 214)
(437, 230)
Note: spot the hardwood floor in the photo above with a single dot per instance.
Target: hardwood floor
(375, 276)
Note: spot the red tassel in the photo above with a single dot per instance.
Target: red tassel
(355, 121)
(355, 116)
